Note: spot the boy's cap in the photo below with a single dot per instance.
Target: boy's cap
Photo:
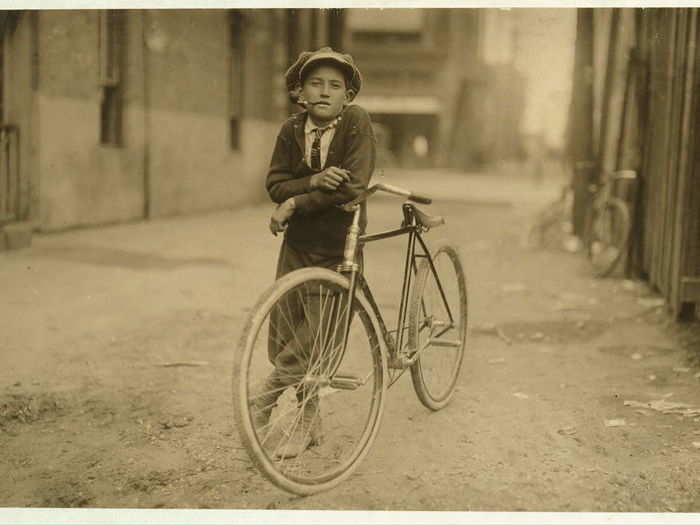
(344, 61)
(295, 73)
(291, 76)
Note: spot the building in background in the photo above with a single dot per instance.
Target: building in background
(110, 116)
(421, 67)
(406, 60)
(463, 88)
(530, 53)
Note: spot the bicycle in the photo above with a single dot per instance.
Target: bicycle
(350, 356)
(553, 223)
(607, 225)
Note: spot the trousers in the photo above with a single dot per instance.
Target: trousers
(296, 327)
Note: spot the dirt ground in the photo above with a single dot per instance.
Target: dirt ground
(577, 394)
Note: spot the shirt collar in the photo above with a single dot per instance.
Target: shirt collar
(310, 126)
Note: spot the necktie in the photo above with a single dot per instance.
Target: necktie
(316, 149)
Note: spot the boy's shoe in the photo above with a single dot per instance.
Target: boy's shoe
(264, 402)
(307, 434)
(261, 417)
(311, 421)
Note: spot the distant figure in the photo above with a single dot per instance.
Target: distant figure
(323, 157)
(385, 157)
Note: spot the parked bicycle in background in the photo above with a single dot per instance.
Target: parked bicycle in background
(607, 225)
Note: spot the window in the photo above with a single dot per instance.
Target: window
(235, 78)
(111, 55)
(386, 26)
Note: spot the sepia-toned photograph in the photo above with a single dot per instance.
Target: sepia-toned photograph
(350, 259)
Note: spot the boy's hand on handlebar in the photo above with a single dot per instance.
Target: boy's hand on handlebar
(330, 179)
(278, 221)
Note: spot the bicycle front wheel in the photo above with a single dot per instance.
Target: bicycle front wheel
(607, 234)
(438, 327)
(308, 410)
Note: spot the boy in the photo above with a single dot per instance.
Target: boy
(323, 157)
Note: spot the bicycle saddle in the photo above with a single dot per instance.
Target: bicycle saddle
(426, 220)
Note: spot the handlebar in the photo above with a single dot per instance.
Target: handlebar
(388, 188)
(410, 195)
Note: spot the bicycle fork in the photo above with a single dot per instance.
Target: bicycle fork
(350, 268)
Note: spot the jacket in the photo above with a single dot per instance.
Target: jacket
(318, 225)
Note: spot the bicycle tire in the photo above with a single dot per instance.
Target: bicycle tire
(547, 228)
(349, 446)
(445, 257)
(546, 232)
(607, 231)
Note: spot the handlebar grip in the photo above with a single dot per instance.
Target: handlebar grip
(421, 199)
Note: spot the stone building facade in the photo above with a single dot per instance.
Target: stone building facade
(111, 116)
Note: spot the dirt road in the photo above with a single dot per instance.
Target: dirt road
(117, 345)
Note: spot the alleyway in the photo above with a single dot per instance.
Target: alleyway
(117, 346)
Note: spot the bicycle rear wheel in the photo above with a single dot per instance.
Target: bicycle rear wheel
(298, 324)
(551, 224)
(607, 233)
(438, 327)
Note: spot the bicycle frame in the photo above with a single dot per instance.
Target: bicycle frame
(605, 190)
(398, 359)
(281, 399)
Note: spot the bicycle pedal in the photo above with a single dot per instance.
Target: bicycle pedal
(347, 382)
(454, 343)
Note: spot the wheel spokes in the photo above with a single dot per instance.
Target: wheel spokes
(338, 388)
